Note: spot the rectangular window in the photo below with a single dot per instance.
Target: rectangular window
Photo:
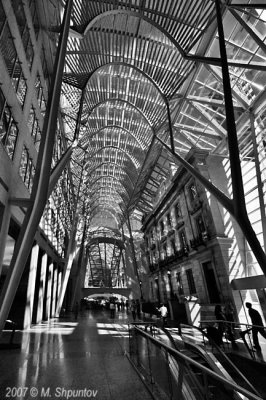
(193, 191)
(169, 221)
(8, 127)
(173, 246)
(182, 238)
(177, 211)
(200, 224)
(26, 169)
(34, 128)
(34, 15)
(3, 19)
(162, 227)
(19, 84)
(7, 49)
(179, 283)
(18, 9)
(165, 251)
(191, 282)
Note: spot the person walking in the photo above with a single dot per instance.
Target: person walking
(163, 312)
(224, 326)
(257, 325)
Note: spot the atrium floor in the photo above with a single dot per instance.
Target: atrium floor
(84, 358)
(60, 358)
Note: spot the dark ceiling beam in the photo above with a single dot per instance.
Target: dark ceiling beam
(217, 62)
(249, 29)
(253, 5)
(218, 75)
(198, 131)
(212, 102)
(209, 119)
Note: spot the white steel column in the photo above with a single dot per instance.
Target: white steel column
(54, 295)
(31, 287)
(4, 233)
(41, 289)
(49, 291)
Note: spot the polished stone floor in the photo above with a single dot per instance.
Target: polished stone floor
(84, 358)
(66, 358)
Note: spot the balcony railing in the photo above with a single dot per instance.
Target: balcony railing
(200, 240)
(178, 254)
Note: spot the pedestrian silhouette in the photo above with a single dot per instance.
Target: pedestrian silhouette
(257, 326)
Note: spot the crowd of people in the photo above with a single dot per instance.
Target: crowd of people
(226, 325)
(224, 316)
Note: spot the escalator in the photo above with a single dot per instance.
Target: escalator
(195, 344)
(202, 348)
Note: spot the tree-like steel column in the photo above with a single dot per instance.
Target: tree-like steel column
(79, 266)
(135, 264)
(41, 179)
(259, 180)
(240, 211)
(236, 206)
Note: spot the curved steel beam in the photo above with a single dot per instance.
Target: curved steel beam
(107, 176)
(102, 194)
(137, 15)
(102, 239)
(112, 100)
(108, 212)
(114, 147)
(127, 65)
(115, 165)
(108, 197)
(117, 127)
(108, 207)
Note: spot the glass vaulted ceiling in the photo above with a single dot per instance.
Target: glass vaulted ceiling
(131, 65)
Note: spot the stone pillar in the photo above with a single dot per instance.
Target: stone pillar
(59, 281)
(5, 220)
(41, 289)
(31, 286)
(54, 292)
(47, 302)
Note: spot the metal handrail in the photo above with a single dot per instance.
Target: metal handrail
(218, 349)
(234, 324)
(214, 321)
(186, 360)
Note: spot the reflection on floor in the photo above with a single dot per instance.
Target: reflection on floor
(85, 359)
(72, 359)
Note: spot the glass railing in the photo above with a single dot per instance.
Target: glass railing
(241, 332)
(173, 374)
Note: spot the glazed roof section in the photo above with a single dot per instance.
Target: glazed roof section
(131, 64)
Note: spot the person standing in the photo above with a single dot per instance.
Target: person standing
(164, 312)
(133, 309)
(220, 317)
(138, 309)
(112, 310)
(76, 310)
(229, 313)
(258, 328)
